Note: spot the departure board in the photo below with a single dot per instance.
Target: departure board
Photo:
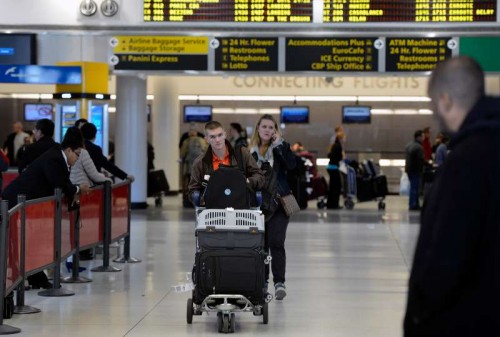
(247, 54)
(353, 11)
(325, 54)
(291, 11)
(415, 54)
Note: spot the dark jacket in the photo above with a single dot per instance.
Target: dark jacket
(100, 161)
(4, 166)
(336, 153)
(9, 145)
(41, 178)
(203, 166)
(414, 158)
(33, 151)
(454, 288)
(284, 161)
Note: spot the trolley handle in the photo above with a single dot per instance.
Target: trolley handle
(258, 198)
(196, 198)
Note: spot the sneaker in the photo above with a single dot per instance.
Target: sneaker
(279, 291)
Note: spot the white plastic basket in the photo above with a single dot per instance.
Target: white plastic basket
(229, 219)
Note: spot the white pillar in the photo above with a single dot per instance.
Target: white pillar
(131, 134)
(165, 121)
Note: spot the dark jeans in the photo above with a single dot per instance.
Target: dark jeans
(414, 187)
(275, 244)
(334, 189)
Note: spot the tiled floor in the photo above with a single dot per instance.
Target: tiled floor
(347, 275)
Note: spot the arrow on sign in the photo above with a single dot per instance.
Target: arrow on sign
(379, 44)
(452, 44)
(10, 70)
(214, 43)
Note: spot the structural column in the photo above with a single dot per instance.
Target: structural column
(165, 127)
(131, 133)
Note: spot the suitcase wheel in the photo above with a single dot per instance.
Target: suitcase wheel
(190, 311)
(321, 204)
(349, 204)
(265, 313)
(226, 322)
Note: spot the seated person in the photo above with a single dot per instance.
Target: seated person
(220, 152)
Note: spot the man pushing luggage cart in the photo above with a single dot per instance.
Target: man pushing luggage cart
(229, 270)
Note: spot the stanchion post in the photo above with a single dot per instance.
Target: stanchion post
(20, 307)
(56, 290)
(75, 277)
(126, 258)
(106, 237)
(4, 235)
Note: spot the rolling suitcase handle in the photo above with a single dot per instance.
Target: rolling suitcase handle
(196, 198)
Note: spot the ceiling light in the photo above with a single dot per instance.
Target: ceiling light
(382, 112)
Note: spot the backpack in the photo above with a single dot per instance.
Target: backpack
(227, 186)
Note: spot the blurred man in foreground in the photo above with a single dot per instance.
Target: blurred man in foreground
(454, 288)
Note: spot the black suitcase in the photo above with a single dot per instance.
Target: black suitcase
(157, 183)
(380, 188)
(229, 272)
(365, 190)
(213, 240)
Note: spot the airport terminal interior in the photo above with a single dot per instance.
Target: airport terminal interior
(147, 72)
(347, 274)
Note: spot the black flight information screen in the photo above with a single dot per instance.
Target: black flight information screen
(253, 11)
(356, 11)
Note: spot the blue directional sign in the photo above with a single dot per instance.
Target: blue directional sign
(34, 74)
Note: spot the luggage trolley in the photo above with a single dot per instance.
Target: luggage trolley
(236, 238)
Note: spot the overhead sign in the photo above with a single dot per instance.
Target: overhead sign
(415, 54)
(333, 11)
(356, 11)
(161, 52)
(34, 74)
(335, 55)
(485, 50)
(252, 11)
(246, 54)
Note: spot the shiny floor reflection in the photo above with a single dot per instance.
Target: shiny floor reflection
(346, 276)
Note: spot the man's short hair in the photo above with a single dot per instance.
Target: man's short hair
(46, 127)
(338, 128)
(88, 131)
(72, 139)
(212, 125)
(462, 78)
(417, 134)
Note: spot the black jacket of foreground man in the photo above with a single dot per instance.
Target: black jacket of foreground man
(454, 287)
(41, 178)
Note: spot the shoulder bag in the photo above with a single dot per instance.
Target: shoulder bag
(289, 204)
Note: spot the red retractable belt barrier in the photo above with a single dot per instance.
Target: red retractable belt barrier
(91, 210)
(40, 234)
(67, 238)
(8, 177)
(119, 211)
(13, 256)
